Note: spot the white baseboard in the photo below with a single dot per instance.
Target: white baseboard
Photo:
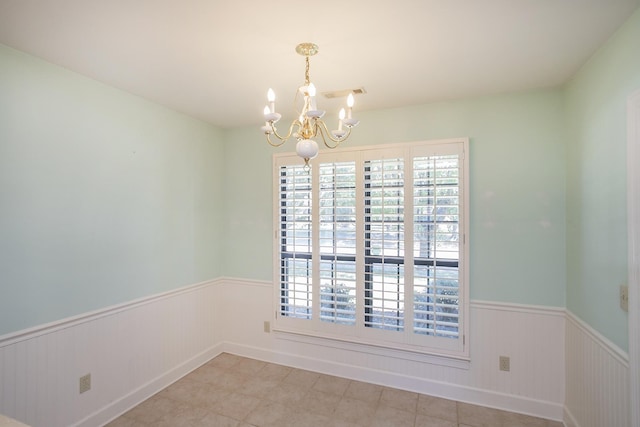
(532, 336)
(389, 379)
(131, 350)
(112, 411)
(560, 367)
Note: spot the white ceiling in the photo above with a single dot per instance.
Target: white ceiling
(215, 59)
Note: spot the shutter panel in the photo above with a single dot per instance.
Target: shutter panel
(436, 205)
(384, 244)
(295, 242)
(337, 223)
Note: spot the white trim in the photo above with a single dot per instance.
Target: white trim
(373, 147)
(460, 393)
(121, 405)
(47, 328)
(633, 231)
(520, 308)
(399, 352)
(230, 330)
(535, 386)
(133, 350)
(616, 352)
(370, 347)
(244, 282)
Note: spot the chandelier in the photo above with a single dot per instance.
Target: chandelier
(309, 123)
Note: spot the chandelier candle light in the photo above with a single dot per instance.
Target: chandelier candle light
(309, 123)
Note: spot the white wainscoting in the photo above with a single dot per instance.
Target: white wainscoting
(136, 349)
(533, 337)
(132, 351)
(597, 379)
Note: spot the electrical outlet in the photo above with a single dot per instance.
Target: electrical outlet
(267, 326)
(624, 298)
(85, 383)
(505, 363)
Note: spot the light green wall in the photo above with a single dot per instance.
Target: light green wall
(596, 182)
(517, 190)
(104, 197)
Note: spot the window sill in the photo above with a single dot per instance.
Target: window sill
(396, 351)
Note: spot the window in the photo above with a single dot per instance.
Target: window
(371, 246)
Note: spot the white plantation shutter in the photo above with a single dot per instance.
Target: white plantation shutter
(337, 224)
(436, 245)
(295, 242)
(372, 246)
(384, 243)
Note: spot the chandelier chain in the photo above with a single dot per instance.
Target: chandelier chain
(306, 72)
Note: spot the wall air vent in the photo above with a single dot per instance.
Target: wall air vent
(344, 93)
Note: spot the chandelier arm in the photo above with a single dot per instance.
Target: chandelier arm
(274, 144)
(280, 137)
(320, 126)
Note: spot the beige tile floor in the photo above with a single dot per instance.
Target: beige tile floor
(233, 391)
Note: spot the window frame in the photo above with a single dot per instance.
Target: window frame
(406, 341)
